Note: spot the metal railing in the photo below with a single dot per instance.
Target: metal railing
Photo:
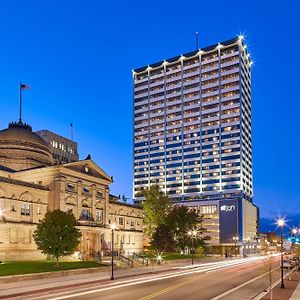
(140, 258)
(126, 260)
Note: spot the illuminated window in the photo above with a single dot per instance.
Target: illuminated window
(99, 215)
(208, 209)
(25, 209)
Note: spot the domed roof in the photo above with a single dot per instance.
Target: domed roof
(22, 149)
(21, 132)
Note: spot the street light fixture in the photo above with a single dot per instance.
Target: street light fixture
(113, 227)
(280, 223)
(192, 233)
(235, 240)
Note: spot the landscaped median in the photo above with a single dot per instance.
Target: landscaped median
(31, 267)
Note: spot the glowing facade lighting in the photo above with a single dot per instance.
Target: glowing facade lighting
(192, 233)
(241, 37)
(171, 85)
(113, 226)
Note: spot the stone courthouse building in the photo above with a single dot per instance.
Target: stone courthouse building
(31, 183)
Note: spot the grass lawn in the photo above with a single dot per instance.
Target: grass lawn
(28, 267)
(171, 256)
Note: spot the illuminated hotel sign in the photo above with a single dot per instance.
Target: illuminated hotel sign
(227, 208)
(228, 220)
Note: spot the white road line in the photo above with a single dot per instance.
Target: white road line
(240, 286)
(258, 297)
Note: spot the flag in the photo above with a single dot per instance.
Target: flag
(24, 86)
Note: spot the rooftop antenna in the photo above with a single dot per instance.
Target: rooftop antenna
(71, 124)
(197, 40)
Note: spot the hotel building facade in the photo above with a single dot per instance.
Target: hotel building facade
(192, 137)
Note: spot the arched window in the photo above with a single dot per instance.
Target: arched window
(86, 215)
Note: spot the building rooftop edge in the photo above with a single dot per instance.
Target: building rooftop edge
(188, 54)
(23, 183)
(51, 132)
(125, 204)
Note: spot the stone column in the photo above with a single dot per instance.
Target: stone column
(106, 207)
(79, 198)
(57, 193)
(94, 194)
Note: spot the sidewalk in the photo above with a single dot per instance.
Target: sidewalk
(291, 290)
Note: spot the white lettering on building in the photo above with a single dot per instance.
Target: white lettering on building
(227, 207)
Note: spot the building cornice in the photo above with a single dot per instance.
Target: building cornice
(190, 54)
(23, 183)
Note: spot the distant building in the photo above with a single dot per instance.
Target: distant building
(63, 150)
(193, 137)
(269, 242)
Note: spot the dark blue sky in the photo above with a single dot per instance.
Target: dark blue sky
(78, 56)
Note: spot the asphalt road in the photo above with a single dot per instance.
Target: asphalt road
(236, 279)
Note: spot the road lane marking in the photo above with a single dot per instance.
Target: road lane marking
(261, 295)
(163, 291)
(240, 286)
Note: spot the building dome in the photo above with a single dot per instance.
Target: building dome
(22, 149)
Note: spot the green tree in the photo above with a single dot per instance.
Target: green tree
(181, 220)
(156, 207)
(163, 238)
(57, 235)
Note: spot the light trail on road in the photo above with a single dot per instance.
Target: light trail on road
(181, 271)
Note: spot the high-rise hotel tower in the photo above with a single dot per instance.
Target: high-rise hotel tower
(192, 136)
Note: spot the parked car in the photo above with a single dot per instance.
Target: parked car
(286, 264)
(294, 262)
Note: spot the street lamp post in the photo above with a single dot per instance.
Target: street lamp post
(248, 246)
(267, 243)
(235, 239)
(113, 227)
(294, 231)
(192, 234)
(280, 223)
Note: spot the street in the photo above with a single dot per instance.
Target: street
(231, 279)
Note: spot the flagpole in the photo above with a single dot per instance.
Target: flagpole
(20, 118)
(71, 131)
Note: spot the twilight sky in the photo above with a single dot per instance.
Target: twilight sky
(77, 56)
